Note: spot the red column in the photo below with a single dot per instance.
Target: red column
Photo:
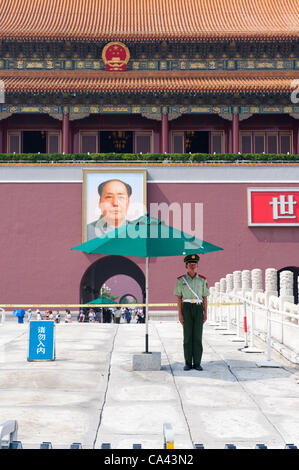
(164, 132)
(5, 144)
(1, 139)
(71, 140)
(229, 140)
(76, 141)
(235, 132)
(65, 132)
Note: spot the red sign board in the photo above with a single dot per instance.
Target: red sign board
(115, 56)
(273, 207)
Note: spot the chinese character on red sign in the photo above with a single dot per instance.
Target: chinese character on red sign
(273, 207)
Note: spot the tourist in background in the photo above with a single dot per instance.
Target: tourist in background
(29, 314)
(38, 315)
(81, 316)
(91, 316)
(117, 315)
(68, 317)
(128, 315)
(57, 317)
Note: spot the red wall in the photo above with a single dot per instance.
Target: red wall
(40, 222)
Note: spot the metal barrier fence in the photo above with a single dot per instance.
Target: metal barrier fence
(168, 315)
(9, 429)
(6, 310)
(236, 310)
(244, 321)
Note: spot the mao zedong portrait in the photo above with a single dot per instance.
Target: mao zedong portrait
(114, 200)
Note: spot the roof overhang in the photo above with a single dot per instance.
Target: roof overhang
(143, 20)
(49, 82)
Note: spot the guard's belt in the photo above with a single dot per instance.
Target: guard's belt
(193, 301)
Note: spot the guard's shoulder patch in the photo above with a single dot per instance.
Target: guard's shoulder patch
(200, 275)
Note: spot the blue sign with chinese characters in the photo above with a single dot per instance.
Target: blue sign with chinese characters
(41, 341)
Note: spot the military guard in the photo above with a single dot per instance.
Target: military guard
(192, 291)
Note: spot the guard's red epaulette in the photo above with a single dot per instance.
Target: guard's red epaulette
(202, 276)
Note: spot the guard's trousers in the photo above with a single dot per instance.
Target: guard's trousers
(193, 326)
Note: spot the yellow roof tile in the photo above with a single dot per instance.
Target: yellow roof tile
(148, 19)
(147, 82)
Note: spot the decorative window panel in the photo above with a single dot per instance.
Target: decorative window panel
(217, 142)
(246, 143)
(272, 143)
(14, 142)
(178, 142)
(259, 142)
(89, 142)
(266, 141)
(285, 143)
(143, 142)
(53, 142)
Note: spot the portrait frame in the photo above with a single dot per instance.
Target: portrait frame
(137, 179)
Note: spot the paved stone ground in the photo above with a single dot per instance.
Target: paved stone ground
(90, 394)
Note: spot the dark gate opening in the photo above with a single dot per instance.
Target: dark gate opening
(105, 268)
(34, 142)
(128, 299)
(197, 141)
(116, 141)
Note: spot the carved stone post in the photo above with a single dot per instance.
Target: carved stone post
(237, 278)
(229, 282)
(246, 280)
(257, 282)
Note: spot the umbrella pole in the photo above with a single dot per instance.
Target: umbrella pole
(146, 304)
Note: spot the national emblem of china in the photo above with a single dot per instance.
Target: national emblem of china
(115, 56)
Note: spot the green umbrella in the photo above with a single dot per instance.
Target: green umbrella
(101, 300)
(146, 237)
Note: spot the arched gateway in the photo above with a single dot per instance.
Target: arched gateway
(105, 268)
(127, 298)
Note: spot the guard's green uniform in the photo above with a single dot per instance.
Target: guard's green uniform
(193, 315)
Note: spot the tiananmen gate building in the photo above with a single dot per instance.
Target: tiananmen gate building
(84, 77)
